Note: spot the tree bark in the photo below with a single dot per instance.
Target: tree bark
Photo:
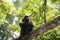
(44, 10)
(41, 29)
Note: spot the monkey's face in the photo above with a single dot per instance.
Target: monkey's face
(26, 19)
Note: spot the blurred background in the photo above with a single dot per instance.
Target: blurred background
(12, 12)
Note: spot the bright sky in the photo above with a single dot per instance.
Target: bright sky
(9, 0)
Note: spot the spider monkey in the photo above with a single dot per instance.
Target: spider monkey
(26, 25)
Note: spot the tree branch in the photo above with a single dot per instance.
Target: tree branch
(44, 10)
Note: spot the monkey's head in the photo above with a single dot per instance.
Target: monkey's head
(26, 19)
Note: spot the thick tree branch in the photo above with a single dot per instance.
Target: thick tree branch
(43, 28)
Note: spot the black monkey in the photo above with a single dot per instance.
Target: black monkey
(26, 25)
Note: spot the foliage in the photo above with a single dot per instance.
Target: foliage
(5, 9)
(33, 8)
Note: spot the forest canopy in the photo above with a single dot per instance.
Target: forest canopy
(40, 11)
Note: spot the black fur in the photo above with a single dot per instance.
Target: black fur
(26, 25)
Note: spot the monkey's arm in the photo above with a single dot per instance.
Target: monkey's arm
(31, 26)
(20, 24)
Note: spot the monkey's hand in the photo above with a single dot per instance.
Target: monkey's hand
(20, 24)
